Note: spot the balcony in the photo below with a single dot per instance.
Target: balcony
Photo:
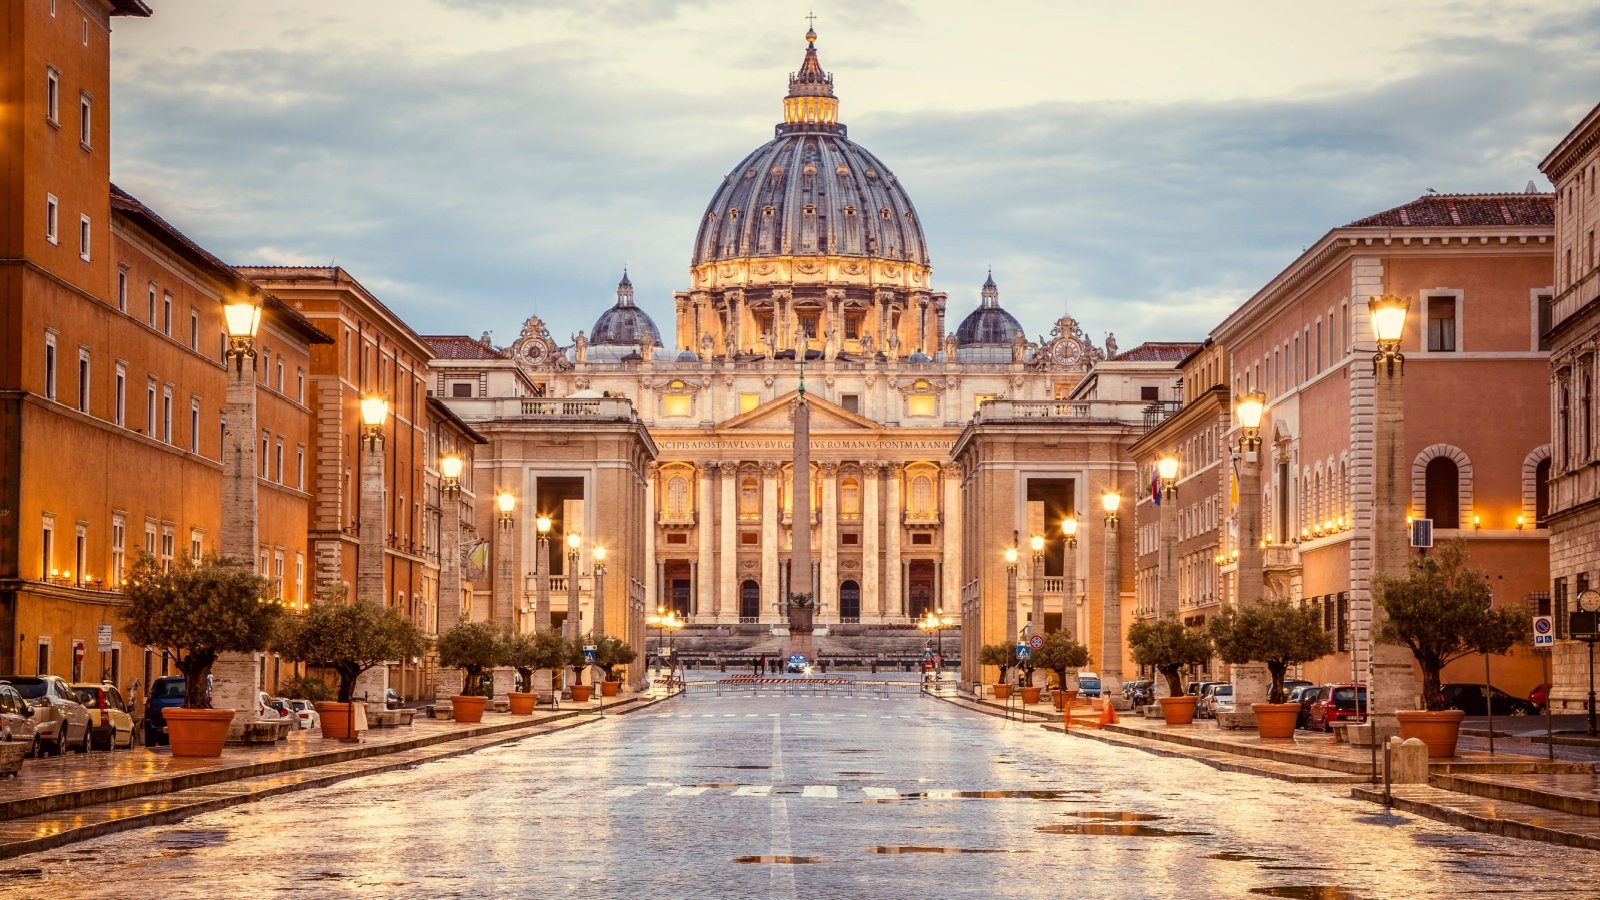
(816, 517)
(1575, 298)
(1159, 411)
(996, 411)
(570, 409)
(922, 519)
(684, 519)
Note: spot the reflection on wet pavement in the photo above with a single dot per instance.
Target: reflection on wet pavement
(924, 809)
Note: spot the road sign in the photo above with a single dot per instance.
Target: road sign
(1023, 653)
(588, 655)
(927, 654)
(937, 661)
(1036, 641)
(105, 638)
(1544, 632)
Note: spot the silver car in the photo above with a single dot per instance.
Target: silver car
(16, 723)
(59, 719)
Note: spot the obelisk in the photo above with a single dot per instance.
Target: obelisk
(802, 591)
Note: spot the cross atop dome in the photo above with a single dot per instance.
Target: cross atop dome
(810, 101)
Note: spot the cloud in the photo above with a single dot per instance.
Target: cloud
(486, 183)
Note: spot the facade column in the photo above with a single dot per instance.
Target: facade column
(694, 586)
(701, 588)
(1111, 612)
(950, 536)
(894, 602)
(663, 592)
(828, 583)
(652, 586)
(769, 541)
(725, 605)
(870, 582)
(373, 683)
(1391, 684)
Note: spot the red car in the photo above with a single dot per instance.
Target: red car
(1539, 696)
(1337, 703)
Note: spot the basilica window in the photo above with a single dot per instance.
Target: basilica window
(980, 400)
(850, 499)
(676, 405)
(678, 497)
(748, 402)
(922, 497)
(749, 499)
(921, 405)
(852, 326)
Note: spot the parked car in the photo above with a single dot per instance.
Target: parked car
(266, 711)
(1289, 685)
(393, 700)
(281, 704)
(1140, 692)
(1088, 684)
(1198, 688)
(1201, 703)
(305, 714)
(16, 723)
(1219, 700)
(1337, 703)
(58, 717)
(1304, 695)
(166, 693)
(1469, 699)
(110, 723)
(1540, 696)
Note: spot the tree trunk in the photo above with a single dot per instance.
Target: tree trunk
(1174, 682)
(1277, 670)
(195, 667)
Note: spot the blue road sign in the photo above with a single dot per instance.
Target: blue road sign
(1023, 653)
(588, 655)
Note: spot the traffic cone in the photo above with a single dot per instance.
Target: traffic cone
(1108, 713)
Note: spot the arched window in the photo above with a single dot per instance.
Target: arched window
(922, 496)
(1442, 485)
(850, 498)
(749, 601)
(850, 601)
(678, 497)
(1541, 492)
(749, 499)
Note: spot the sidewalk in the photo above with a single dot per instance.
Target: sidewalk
(72, 798)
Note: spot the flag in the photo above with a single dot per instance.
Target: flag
(1155, 486)
(475, 560)
(1233, 486)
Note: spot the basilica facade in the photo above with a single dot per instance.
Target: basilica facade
(809, 260)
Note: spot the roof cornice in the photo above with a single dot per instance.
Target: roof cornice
(1574, 147)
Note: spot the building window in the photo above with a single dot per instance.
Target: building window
(47, 547)
(52, 218)
(280, 373)
(299, 385)
(749, 498)
(980, 399)
(194, 425)
(1545, 320)
(166, 313)
(80, 554)
(119, 550)
(150, 537)
(42, 662)
(850, 498)
(49, 366)
(153, 291)
(197, 542)
(461, 389)
(122, 288)
(1441, 324)
(166, 414)
(922, 496)
(299, 577)
(851, 403)
(83, 380)
(747, 402)
(676, 405)
(266, 440)
(300, 467)
(194, 330)
(678, 497)
(278, 460)
(52, 96)
(921, 405)
(1442, 484)
(1541, 492)
(83, 238)
(85, 121)
(167, 547)
(121, 400)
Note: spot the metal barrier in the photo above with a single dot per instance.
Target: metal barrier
(796, 687)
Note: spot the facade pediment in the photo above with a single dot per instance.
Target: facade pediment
(777, 415)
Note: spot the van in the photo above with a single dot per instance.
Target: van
(1088, 684)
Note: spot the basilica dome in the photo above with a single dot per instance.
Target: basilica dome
(988, 331)
(811, 192)
(623, 328)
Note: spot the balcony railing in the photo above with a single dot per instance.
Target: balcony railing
(583, 409)
(922, 519)
(1575, 297)
(991, 411)
(1054, 584)
(679, 519)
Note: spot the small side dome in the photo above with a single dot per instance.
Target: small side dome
(919, 357)
(988, 325)
(621, 329)
(688, 356)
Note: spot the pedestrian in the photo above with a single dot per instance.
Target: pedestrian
(759, 666)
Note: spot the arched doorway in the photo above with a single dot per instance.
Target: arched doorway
(920, 587)
(749, 601)
(849, 601)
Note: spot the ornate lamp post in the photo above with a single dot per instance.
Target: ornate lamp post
(374, 683)
(1111, 602)
(541, 609)
(1011, 555)
(667, 621)
(1069, 576)
(1251, 682)
(574, 623)
(935, 622)
(1036, 544)
(599, 590)
(1390, 684)
(235, 675)
(447, 682)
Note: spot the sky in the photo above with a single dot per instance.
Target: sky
(1144, 165)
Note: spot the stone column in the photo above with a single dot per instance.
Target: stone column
(894, 592)
(828, 581)
(869, 540)
(705, 537)
(950, 536)
(725, 606)
(1391, 686)
(1251, 682)
(1110, 657)
(770, 589)
(1036, 587)
(694, 586)
(1069, 589)
(373, 683)
(652, 586)
(447, 681)
(505, 598)
(235, 676)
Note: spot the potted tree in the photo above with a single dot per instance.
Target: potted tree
(529, 653)
(1440, 610)
(609, 652)
(575, 659)
(471, 647)
(198, 610)
(1278, 634)
(1002, 657)
(1061, 654)
(1166, 646)
(347, 639)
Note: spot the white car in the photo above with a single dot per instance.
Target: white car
(305, 713)
(265, 711)
(1219, 700)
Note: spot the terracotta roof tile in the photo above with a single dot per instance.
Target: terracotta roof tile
(459, 346)
(1159, 351)
(1466, 210)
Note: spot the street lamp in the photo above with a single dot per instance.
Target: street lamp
(1036, 544)
(370, 556)
(1248, 411)
(599, 590)
(1251, 681)
(1388, 314)
(505, 501)
(1167, 515)
(574, 623)
(1069, 576)
(1390, 683)
(934, 621)
(242, 319)
(1111, 601)
(450, 466)
(374, 411)
(541, 610)
(237, 676)
(1011, 555)
(668, 621)
(447, 682)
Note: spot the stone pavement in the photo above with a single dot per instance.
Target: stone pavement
(1512, 794)
(70, 798)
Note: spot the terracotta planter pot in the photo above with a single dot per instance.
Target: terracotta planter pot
(1064, 699)
(1275, 721)
(609, 688)
(197, 732)
(1177, 710)
(1031, 694)
(522, 704)
(580, 693)
(468, 709)
(1002, 692)
(335, 719)
(1438, 730)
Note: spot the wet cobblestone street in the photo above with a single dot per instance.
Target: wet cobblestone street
(806, 797)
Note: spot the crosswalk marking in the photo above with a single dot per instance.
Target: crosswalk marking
(753, 790)
(878, 793)
(627, 790)
(820, 790)
(687, 791)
